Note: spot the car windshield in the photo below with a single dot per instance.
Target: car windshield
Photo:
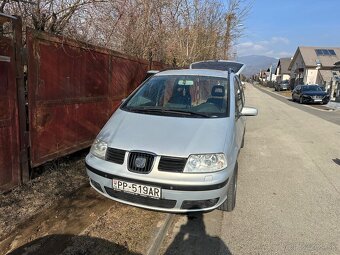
(185, 96)
(311, 88)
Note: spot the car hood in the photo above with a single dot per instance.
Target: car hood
(164, 135)
(314, 93)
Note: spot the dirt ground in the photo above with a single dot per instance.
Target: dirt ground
(25, 201)
(59, 213)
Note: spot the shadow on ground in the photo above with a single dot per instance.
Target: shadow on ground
(193, 239)
(71, 245)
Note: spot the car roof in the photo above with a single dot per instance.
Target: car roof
(199, 72)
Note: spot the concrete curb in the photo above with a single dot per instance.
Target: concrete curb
(156, 245)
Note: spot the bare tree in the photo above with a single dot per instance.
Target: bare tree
(173, 31)
(234, 18)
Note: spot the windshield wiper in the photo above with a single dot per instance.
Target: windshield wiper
(161, 110)
(188, 113)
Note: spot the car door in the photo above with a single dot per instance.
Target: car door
(239, 119)
(296, 93)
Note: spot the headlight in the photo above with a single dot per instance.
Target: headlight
(205, 163)
(99, 148)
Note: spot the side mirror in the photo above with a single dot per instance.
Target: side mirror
(249, 111)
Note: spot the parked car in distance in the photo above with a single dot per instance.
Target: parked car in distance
(173, 144)
(282, 86)
(310, 94)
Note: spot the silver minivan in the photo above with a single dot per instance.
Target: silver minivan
(173, 144)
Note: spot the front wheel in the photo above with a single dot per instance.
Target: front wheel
(229, 204)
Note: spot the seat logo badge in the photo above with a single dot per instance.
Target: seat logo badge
(140, 162)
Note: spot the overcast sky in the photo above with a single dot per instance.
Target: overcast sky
(275, 28)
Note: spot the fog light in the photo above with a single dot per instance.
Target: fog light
(199, 204)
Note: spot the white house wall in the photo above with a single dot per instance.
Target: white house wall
(298, 63)
(310, 76)
(285, 77)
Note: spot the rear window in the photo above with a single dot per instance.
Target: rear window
(311, 88)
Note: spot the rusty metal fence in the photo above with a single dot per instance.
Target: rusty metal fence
(72, 90)
(9, 133)
(13, 153)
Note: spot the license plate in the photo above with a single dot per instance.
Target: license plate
(317, 100)
(137, 189)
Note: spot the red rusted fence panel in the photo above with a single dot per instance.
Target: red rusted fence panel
(73, 90)
(9, 129)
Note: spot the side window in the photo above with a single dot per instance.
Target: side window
(239, 96)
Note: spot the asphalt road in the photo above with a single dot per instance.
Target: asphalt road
(288, 199)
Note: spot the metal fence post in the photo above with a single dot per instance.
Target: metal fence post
(19, 70)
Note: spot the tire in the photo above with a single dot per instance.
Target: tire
(293, 99)
(301, 100)
(229, 204)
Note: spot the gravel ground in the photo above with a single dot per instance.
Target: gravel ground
(40, 193)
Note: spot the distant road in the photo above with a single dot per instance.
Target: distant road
(332, 116)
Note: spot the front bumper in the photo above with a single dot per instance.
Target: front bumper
(311, 99)
(176, 197)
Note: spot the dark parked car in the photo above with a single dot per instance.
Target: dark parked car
(282, 86)
(310, 94)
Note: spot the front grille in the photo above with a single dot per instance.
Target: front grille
(161, 203)
(115, 155)
(140, 162)
(171, 164)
